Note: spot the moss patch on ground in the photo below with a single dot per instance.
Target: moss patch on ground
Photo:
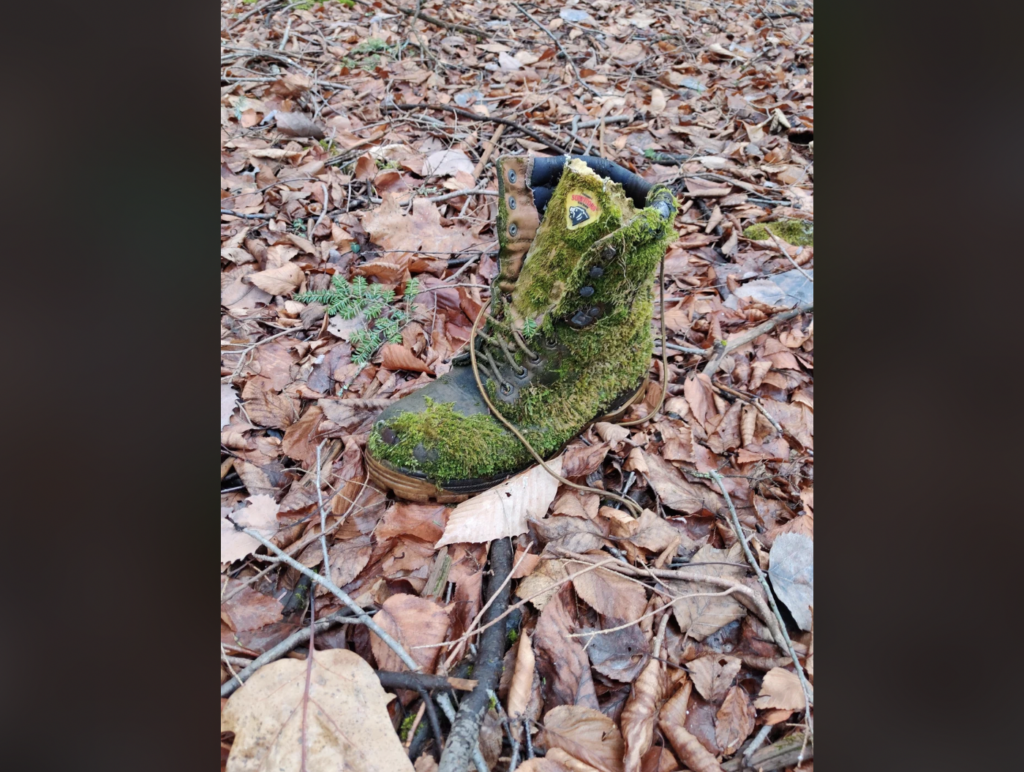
(799, 233)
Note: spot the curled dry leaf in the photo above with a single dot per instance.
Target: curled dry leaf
(580, 459)
(366, 168)
(544, 582)
(687, 747)
(422, 521)
(328, 712)
(299, 125)
(618, 654)
(503, 511)
(571, 763)
(397, 357)
(246, 609)
(781, 689)
(639, 715)
(735, 720)
(521, 689)
(260, 516)
(412, 621)
(543, 764)
(585, 734)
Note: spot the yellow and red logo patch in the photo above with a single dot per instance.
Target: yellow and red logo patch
(581, 209)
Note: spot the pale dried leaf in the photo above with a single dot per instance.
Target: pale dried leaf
(446, 163)
(279, 281)
(260, 515)
(713, 674)
(658, 102)
(709, 611)
(780, 689)
(503, 511)
(326, 713)
(585, 734)
(521, 690)
(791, 562)
(543, 582)
(612, 433)
(412, 621)
(228, 403)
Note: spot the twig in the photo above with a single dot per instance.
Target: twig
(738, 529)
(391, 679)
(278, 651)
(476, 117)
(466, 192)
(750, 400)
(789, 257)
(733, 343)
(431, 19)
(234, 675)
(758, 740)
(449, 711)
(253, 12)
(606, 120)
(287, 32)
(323, 511)
(233, 213)
(465, 732)
(337, 592)
(568, 59)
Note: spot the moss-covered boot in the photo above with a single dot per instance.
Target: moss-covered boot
(567, 340)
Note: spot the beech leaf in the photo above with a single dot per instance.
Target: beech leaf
(328, 713)
(791, 568)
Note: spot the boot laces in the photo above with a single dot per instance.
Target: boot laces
(495, 342)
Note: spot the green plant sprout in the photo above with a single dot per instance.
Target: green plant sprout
(374, 301)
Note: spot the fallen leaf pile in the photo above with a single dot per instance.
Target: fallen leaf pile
(635, 643)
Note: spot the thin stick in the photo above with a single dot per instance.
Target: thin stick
(275, 653)
(340, 594)
(323, 511)
(568, 59)
(789, 257)
(477, 117)
(489, 146)
(734, 343)
(738, 529)
(466, 192)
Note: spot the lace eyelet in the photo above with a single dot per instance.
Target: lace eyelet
(505, 389)
(550, 343)
(521, 372)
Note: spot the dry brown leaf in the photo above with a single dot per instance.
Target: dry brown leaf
(654, 534)
(612, 594)
(658, 102)
(707, 613)
(713, 674)
(299, 125)
(503, 511)
(734, 721)
(521, 689)
(328, 712)
(542, 764)
(366, 168)
(580, 459)
(611, 433)
(422, 521)
(700, 397)
(568, 762)
(781, 689)
(562, 661)
(618, 654)
(279, 281)
(397, 357)
(246, 609)
(640, 713)
(675, 492)
(412, 621)
(260, 516)
(237, 255)
(544, 582)
(687, 747)
(292, 85)
(585, 734)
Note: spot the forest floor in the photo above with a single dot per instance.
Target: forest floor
(358, 142)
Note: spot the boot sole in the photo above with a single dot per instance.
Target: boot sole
(414, 486)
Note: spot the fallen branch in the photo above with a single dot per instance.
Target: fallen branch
(270, 655)
(568, 59)
(738, 530)
(464, 736)
(779, 755)
(337, 592)
(476, 117)
(431, 19)
(755, 332)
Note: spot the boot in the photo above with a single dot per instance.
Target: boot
(567, 340)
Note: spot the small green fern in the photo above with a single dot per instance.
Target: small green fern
(374, 302)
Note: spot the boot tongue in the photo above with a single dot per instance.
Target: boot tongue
(584, 208)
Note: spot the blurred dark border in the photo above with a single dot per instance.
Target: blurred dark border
(111, 138)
